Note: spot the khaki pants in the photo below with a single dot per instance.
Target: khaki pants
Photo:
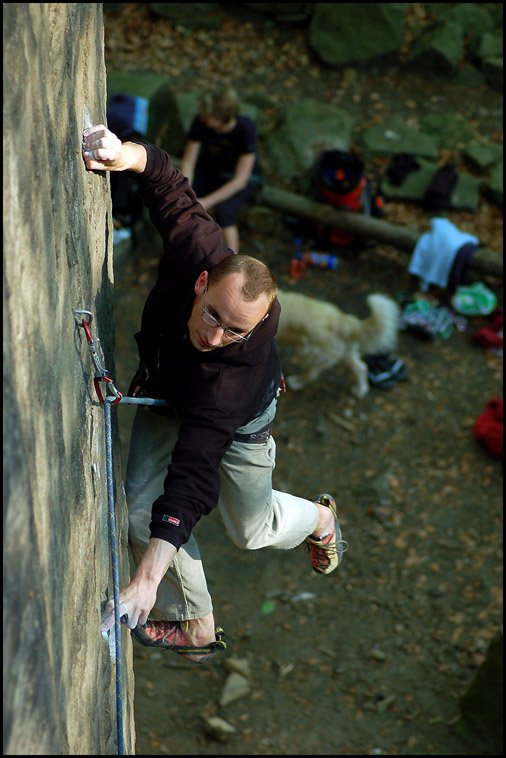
(254, 515)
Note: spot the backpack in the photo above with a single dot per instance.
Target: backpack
(438, 193)
(341, 181)
(127, 118)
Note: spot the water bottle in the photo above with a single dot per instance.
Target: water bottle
(321, 260)
(313, 258)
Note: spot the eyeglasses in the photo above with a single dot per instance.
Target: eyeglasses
(229, 334)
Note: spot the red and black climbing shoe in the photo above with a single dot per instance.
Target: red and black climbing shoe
(326, 553)
(169, 635)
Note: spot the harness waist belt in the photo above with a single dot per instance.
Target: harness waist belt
(262, 435)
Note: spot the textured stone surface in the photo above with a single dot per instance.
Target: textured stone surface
(59, 680)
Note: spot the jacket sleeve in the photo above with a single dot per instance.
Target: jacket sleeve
(190, 236)
(192, 483)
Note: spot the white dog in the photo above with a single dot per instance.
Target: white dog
(322, 335)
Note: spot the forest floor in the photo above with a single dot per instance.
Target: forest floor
(372, 660)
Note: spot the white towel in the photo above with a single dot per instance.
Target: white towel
(435, 252)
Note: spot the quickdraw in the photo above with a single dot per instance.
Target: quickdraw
(97, 358)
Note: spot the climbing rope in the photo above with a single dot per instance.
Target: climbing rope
(83, 319)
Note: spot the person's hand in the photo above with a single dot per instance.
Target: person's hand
(138, 380)
(101, 149)
(135, 602)
(139, 596)
(104, 151)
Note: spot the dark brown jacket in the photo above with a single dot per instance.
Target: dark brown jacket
(213, 393)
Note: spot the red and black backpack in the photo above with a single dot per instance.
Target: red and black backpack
(341, 181)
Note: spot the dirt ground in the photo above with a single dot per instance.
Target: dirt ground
(373, 659)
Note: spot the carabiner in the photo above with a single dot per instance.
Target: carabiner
(80, 321)
(117, 394)
(98, 359)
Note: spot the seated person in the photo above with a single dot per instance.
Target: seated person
(220, 159)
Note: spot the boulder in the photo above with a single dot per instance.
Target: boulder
(481, 705)
(344, 34)
(465, 195)
(395, 136)
(190, 15)
(482, 155)
(490, 55)
(415, 184)
(438, 48)
(493, 70)
(457, 35)
(491, 45)
(165, 127)
(305, 129)
(470, 76)
(474, 19)
(493, 189)
(286, 12)
(449, 130)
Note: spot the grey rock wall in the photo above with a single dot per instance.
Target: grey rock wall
(59, 677)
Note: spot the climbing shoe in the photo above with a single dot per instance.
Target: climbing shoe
(326, 553)
(169, 635)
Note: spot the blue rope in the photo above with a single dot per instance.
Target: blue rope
(108, 402)
(115, 572)
(83, 318)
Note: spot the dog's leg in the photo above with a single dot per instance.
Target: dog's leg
(312, 361)
(360, 371)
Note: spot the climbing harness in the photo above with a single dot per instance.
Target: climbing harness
(83, 319)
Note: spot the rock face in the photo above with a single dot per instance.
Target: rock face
(59, 678)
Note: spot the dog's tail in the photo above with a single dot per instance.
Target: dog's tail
(379, 331)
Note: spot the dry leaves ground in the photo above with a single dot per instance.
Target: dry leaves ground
(373, 659)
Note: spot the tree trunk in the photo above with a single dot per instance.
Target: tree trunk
(485, 261)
